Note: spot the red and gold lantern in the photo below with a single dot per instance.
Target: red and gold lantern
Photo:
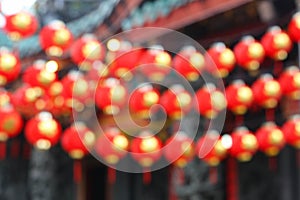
(249, 53)
(146, 149)
(155, 63)
(209, 101)
(277, 43)
(142, 99)
(11, 123)
(244, 144)
(291, 131)
(10, 67)
(176, 101)
(210, 149)
(77, 139)
(270, 139)
(239, 97)
(189, 63)
(55, 38)
(42, 131)
(5, 97)
(20, 25)
(41, 74)
(112, 146)
(290, 82)
(179, 149)
(294, 27)
(110, 95)
(266, 91)
(219, 60)
(87, 50)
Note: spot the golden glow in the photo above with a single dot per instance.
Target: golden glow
(21, 21)
(45, 77)
(112, 159)
(54, 51)
(270, 103)
(249, 142)
(227, 58)
(80, 87)
(240, 110)
(150, 98)
(3, 80)
(56, 88)
(272, 88)
(253, 65)
(244, 94)
(244, 157)
(296, 80)
(40, 104)
(255, 50)
(3, 137)
(113, 45)
(214, 161)
(146, 162)
(48, 128)
(281, 40)
(91, 50)
(61, 36)
(76, 154)
(297, 128)
(272, 151)
(220, 149)
(43, 144)
(51, 66)
(121, 142)
(89, 138)
(183, 100)
(149, 144)
(7, 62)
(281, 55)
(218, 100)
(187, 149)
(197, 61)
(163, 59)
(111, 110)
(4, 99)
(117, 93)
(192, 76)
(276, 137)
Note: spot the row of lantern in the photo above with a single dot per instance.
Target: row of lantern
(219, 60)
(43, 131)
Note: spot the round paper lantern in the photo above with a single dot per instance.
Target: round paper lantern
(210, 149)
(20, 25)
(290, 82)
(76, 139)
(244, 144)
(291, 131)
(219, 60)
(142, 99)
(9, 66)
(277, 43)
(146, 149)
(270, 139)
(155, 63)
(294, 27)
(42, 131)
(239, 97)
(179, 149)
(86, 50)
(112, 146)
(41, 73)
(110, 95)
(209, 101)
(176, 101)
(266, 91)
(189, 63)
(55, 38)
(11, 123)
(249, 53)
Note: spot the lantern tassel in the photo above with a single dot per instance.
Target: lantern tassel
(298, 158)
(77, 171)
(15, 149)
(111, 173)
(239, 120)
(147, 177)
(232, 180)
(26, 150)
(278, 67)
(270, 114)
(273, 164)
(213, 175)
(2, 150)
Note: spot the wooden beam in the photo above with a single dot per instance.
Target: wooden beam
(186, 15)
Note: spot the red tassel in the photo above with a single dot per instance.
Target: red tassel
(77, 171)
(239, 120)
(15, 149)
(298, 158)
(26, 150)
(232, 180)
(270, 115)
(278, 67)
(2, 150)
(273, 164)
(147, 177)
(213, 175)
(111, 173)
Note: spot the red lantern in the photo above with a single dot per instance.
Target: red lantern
(249, 53)
(291, 130)
(20, 25)
(270, 139)
(219, 60)
(55, 38)
(239, 97)
(179, 149)
(41, 73)
(76, 139)
(142, 99)
(209, 101)
(9, 66)
(294, 27)
(5, 97)
(110, 95)
(11, 123)
(146, 149)
(189, 63)
(266, 91)
(43, 131)
(87, 50)
(244, 144)
(112, 146)
(277, 43)
(155, 63)
(176, 101)
(210, 149)
(290, 82)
